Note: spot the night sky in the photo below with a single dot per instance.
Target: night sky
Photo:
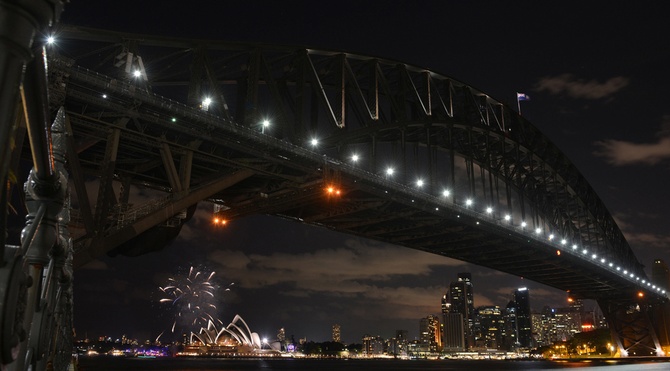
(597, 75)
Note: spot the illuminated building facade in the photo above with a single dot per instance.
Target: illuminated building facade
(660, 273)
(336, 333)
(511, 329)
(488, 327)
(429, 334)
(234, 340)
(568, 322)
(373, 346)
(453, 334)
(398, 345)
(461, 297)
(539, 337)
(523, 317)
(544, 327)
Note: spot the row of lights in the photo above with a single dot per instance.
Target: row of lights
(489, 210)
(538, 231)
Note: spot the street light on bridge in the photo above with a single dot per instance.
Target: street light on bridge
(219, 221)
(332, 191)
(205, 103)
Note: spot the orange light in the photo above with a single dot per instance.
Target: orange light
(640, 294)
(570, 300)
(331, 190)
(219, 221)
(558, 252)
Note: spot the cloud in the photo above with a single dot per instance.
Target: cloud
(641, 239)
(654, 240)
(348, 270)
(573, 87)
(621, 153)
(374, 279)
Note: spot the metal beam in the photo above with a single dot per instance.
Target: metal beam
(170, 168)
(97, 247)
(105, 192)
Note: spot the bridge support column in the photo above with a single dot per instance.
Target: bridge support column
(660, 318)
(631, 327)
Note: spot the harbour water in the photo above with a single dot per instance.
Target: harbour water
(103, 363)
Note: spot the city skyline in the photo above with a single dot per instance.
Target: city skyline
(519, 298)
(594, 78)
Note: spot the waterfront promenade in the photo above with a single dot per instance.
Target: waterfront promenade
(103, 363)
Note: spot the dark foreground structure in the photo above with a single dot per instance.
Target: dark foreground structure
(361, 145)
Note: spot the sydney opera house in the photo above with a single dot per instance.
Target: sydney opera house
(234, 340)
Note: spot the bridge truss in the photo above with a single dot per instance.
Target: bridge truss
(361, 145)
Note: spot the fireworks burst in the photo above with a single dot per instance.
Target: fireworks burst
(192, 298)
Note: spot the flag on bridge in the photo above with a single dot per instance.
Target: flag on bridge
(519, 98)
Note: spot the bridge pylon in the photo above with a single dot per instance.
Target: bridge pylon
(632, 328)
(660, 318)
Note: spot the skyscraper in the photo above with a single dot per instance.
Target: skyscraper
(461, 297)
(488, 327)
(511, 329)
(453, 335)
(660, 274)
(336, 333)
(429, 332)
(523, 317)
(372, 345)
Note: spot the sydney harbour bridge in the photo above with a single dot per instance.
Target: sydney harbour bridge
(360, 145)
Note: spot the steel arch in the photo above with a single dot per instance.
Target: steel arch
(354, 100)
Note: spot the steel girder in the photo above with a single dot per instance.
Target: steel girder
(631, 327)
